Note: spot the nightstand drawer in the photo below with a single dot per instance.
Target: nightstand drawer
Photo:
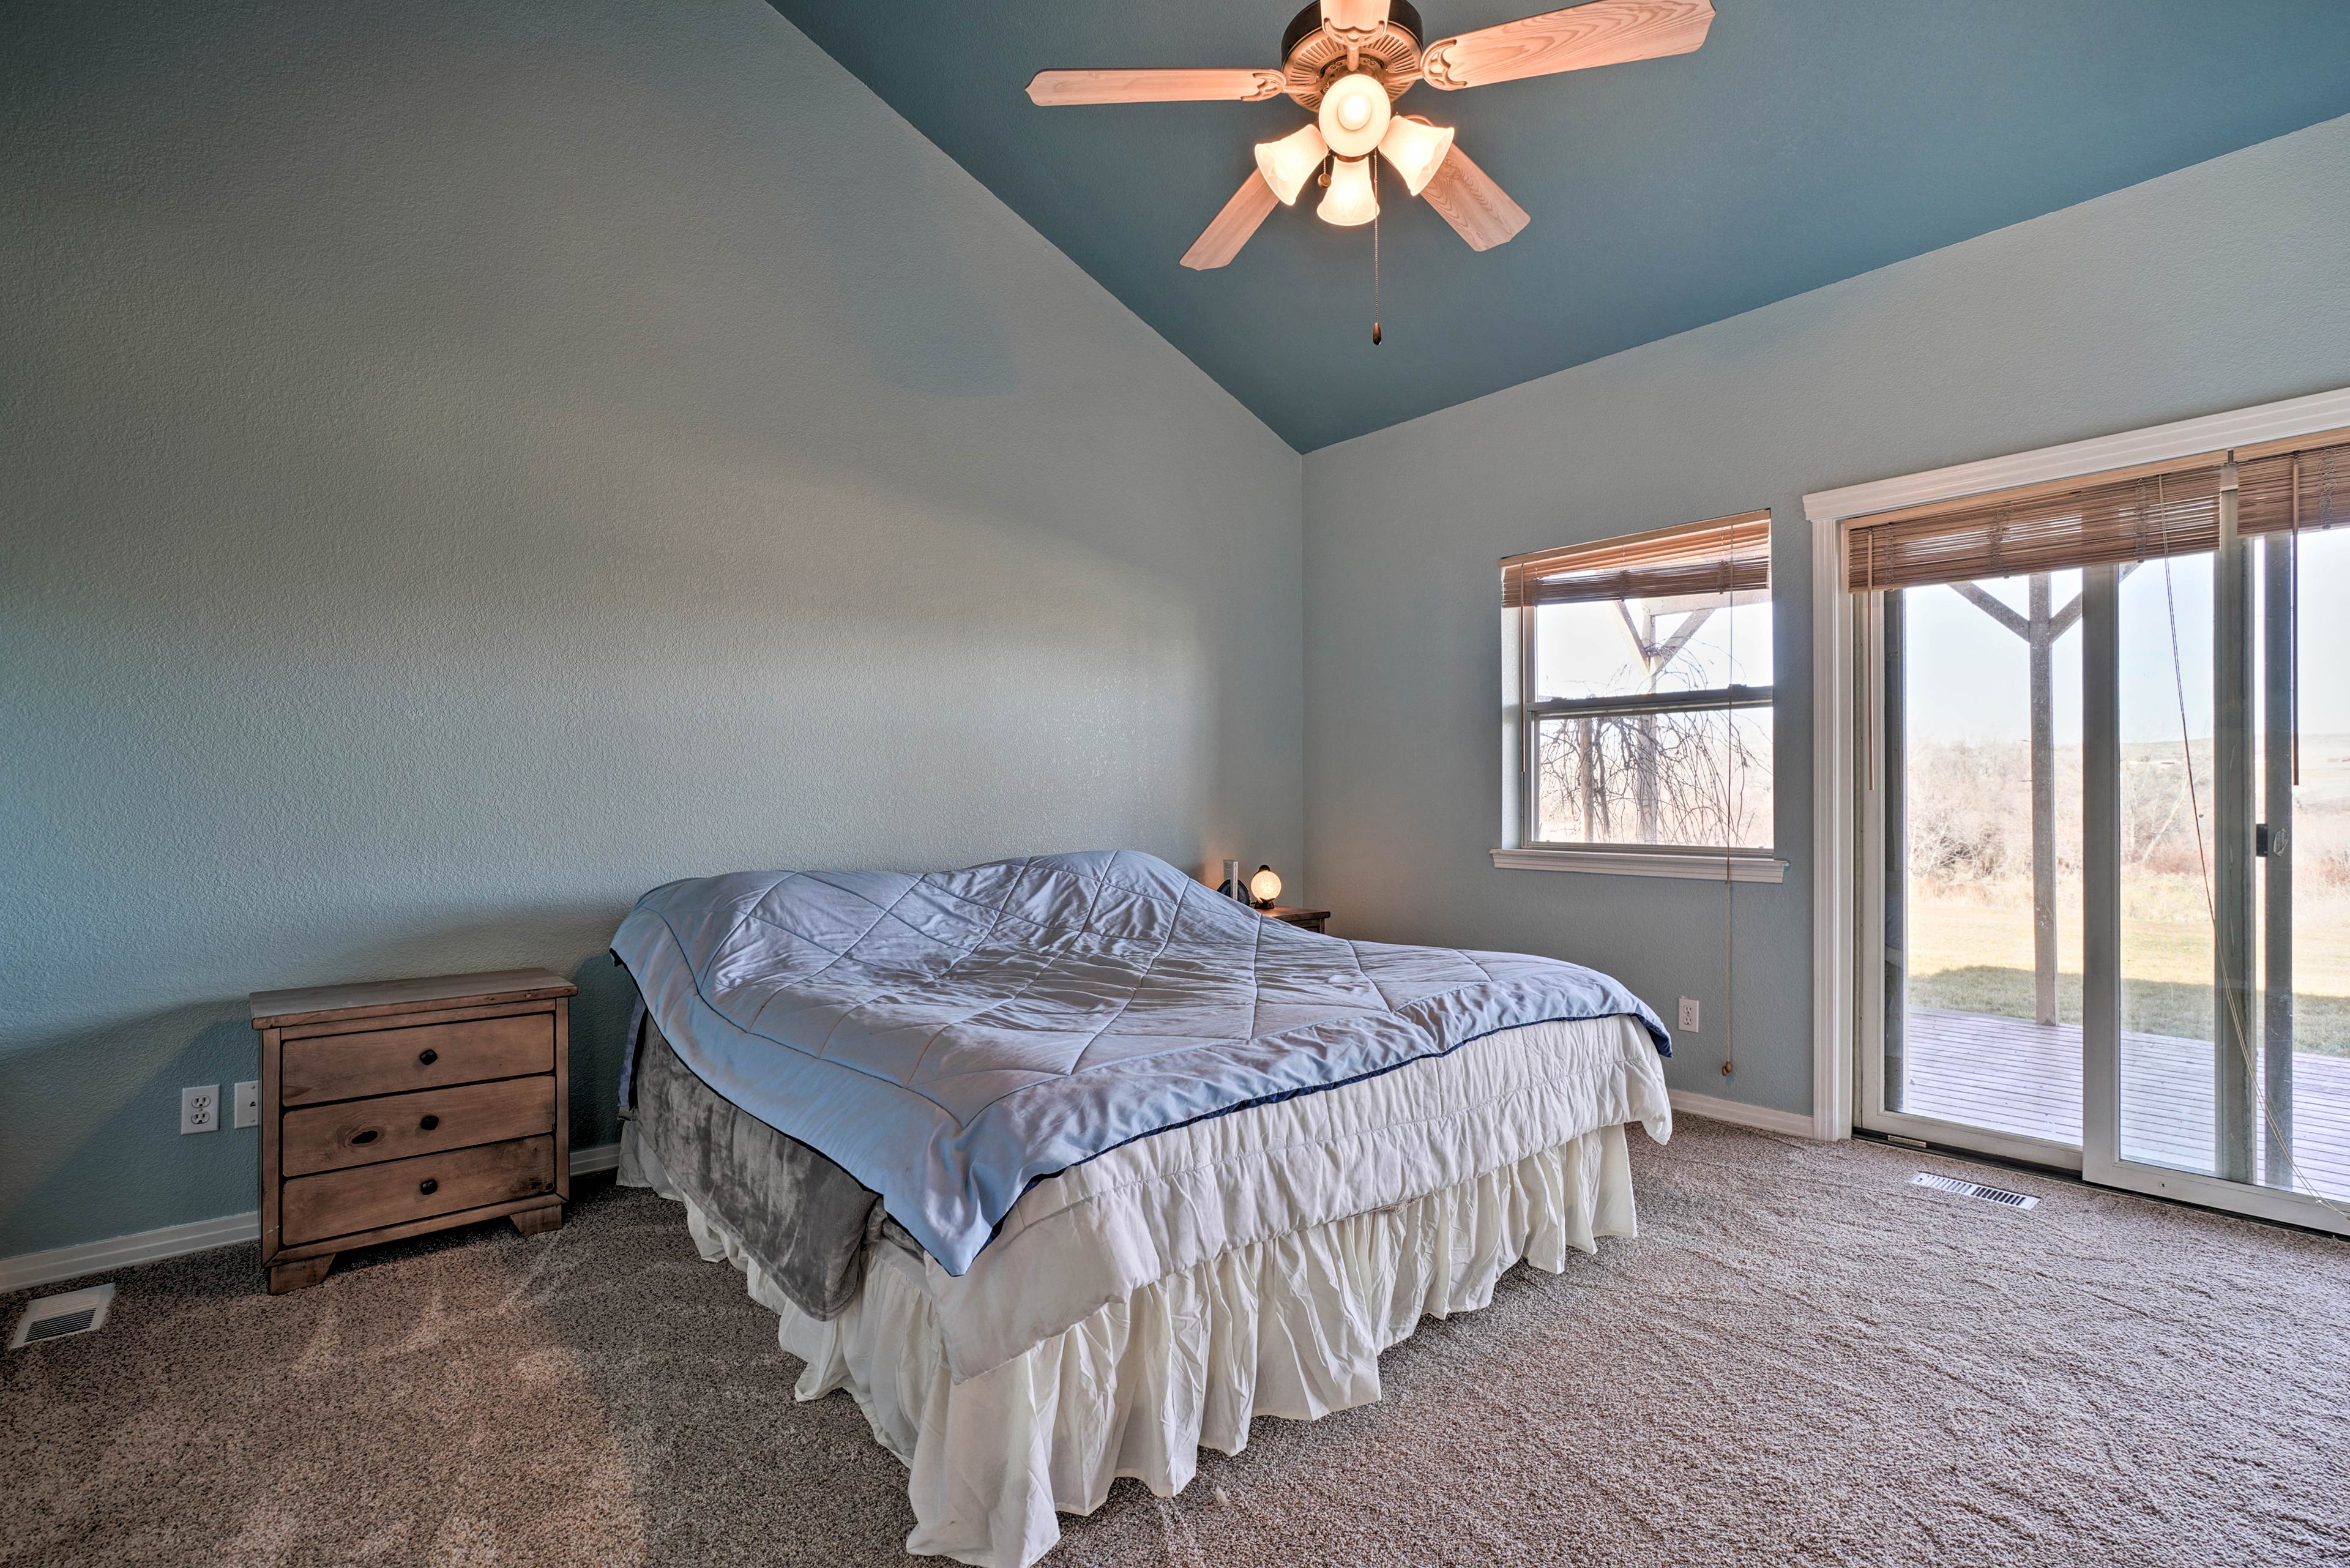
(397, 1126)
(341, 1202)
(390, 1061)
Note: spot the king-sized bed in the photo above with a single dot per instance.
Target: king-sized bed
(1066, 1166)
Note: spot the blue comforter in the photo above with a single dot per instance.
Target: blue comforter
(951, 1038)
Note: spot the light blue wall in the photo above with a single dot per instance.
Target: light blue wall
(463, 464)
(2220, 285)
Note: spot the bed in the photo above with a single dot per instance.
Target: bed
(1063, 1168)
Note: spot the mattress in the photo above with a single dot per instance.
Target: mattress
(1093, 1234)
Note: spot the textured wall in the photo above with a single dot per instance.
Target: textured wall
(2208, 290)
(463, 464)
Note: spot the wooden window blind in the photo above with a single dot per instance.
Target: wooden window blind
(2132, 515)
(1727, 555)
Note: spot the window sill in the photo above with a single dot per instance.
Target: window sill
(1747, 867)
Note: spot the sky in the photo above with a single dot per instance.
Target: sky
(1969, 676)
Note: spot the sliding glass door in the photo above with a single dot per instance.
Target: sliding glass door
(2225, 1068)
(1975, 862)
(2105, 847)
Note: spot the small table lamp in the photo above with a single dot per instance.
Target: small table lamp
(1264, 888)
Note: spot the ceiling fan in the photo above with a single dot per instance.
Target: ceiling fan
(1350, 61)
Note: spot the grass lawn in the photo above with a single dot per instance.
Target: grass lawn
(1970, 950)
(2321, 1023)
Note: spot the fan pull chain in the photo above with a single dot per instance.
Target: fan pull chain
(1375, 253)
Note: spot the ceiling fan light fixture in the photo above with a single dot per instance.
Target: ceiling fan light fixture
(1355, 114)
(1288, 163)
(1350, 200)
(1415, 149)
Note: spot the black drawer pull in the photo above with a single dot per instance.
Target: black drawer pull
(429, 1122)
(367, 1136)
(428, 1187)
(428, 1055)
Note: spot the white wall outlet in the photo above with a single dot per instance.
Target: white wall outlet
(1689, 1016)
(248, 1105)
(200, 1109)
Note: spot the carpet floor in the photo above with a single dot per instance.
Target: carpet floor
(1801, 1359)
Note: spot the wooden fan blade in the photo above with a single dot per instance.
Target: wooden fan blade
(1051, 87)
(1479, 210)
(1221, 240)
(1357, 19)
(1604, 33)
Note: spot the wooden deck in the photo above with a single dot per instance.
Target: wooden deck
(2013, 1076)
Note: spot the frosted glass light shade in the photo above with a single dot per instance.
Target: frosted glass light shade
(1264, 887)
(1416, 149)
(1355, 114)
(1288, 163)
(1350, 200)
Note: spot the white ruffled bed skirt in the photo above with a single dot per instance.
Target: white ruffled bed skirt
(1290, 1327)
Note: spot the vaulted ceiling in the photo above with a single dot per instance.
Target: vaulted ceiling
(1808, 140)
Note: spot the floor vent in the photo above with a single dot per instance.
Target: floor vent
(55, 1317)
(1999, 1195)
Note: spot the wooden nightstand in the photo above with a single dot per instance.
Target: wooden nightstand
(407, 1106)
(1311, 919)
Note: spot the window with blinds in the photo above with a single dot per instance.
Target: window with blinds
(2134, 514)
(1645, 674)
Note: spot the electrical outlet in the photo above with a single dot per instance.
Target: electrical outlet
(248, 1105)
(1689, 1016)
(200, 1109)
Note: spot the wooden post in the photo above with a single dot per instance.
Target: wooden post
(1587, 741)
(2042, 640)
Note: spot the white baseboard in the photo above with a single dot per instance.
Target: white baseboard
(122, 1251)
(29, 1269)
(1761, 1117)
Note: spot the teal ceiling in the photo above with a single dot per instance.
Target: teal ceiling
(1808, 140)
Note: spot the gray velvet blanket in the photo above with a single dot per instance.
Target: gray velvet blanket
(806, 1219)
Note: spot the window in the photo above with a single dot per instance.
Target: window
(1642, 692)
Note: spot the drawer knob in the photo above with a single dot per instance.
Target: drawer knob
(367, 1136)
(428, 1055)
(428, 1187)
(429, 1122)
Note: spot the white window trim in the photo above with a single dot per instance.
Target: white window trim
(1834, 856)
(1516, 853)
(1607, 860)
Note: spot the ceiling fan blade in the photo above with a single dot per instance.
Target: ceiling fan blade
(1603, 33)
(1354, 18)
(1051, 87)
(1479, 210)
(1221, 240)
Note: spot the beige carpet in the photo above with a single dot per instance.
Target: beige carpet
(1801, 1360)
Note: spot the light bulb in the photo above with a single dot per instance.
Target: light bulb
(1355, 114)
(1416, 149)
(1350, 200)
(1264, 887)
(1288, 163)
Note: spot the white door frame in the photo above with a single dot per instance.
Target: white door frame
(1836, 888)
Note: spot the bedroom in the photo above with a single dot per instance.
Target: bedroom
(472, 465)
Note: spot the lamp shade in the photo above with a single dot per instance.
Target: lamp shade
(1288, 163)
(1264, 887)
(1414, 148)
(1350, 200)
(1355, 114)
